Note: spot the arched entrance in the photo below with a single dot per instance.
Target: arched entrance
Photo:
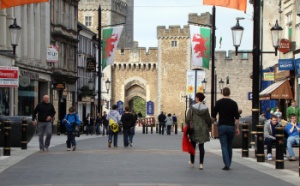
(135, 91)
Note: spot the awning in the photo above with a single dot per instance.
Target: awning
(278, 90)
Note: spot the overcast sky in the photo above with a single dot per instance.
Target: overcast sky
(150, 14)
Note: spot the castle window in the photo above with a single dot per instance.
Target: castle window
(173, 43)
(88, 20)
(244, 56)
(122, 51)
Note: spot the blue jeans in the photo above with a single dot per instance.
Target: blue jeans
(226, 135)
(290, 141)
(126, 132)
(169, 129)
(70, 140)
(131, 134)
(115, 135)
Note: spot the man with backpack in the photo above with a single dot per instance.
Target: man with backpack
(114, 119)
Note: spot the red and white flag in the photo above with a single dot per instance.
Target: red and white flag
(235, 4)
(12, 3)
(110, 40)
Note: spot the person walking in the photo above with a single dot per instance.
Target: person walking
(174, 117)
(132, 129)
(127, 120)
(70, 121)
(88, 124)
(169, 123)
(228, 124)
(114, 119)
(105, 124)
(198, 118)
(98, 124)
(161, 120)
(44, 112)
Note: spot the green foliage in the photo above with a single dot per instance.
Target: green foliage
(139, 105)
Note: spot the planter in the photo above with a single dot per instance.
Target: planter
(16, 128)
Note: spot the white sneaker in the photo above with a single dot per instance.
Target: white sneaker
(191, 164)
(284, 157)
(68, 149)
(269, 156)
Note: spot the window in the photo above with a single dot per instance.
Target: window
(62, 12)
(244, 56)
(67, 16)
(173, 43)
(88, 20)
(289, 18)
(56, 11)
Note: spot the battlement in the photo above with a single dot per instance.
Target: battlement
(173, 31)
(137, 55)
(118, 6)
(202, 19)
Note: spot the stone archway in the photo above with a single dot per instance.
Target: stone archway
(134, 87)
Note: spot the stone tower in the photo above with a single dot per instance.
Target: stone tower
(113, 12)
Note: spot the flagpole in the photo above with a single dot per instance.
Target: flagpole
(99, 109)
(213, 58)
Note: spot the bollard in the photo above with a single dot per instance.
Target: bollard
(279, 147)
(245, 137)
(24, 134)
(181, 127)
(146, 128)
(156, 128)
(6, 142)
(58, 127)
(152, 128)
(143, 125)
(260, 154)
(176, 129)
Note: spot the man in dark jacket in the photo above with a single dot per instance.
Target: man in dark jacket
(105, 124)
(127, 121)
(162, 119)
(45, 112)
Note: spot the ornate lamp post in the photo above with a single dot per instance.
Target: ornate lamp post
(237, 33)
(15, 32)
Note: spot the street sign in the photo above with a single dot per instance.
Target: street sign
(285, 45)
(52, 53)
(9, 76)
(59, 86)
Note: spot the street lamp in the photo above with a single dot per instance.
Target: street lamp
(15, 32)
(256, 52)
(204, 83)
(107, 85)
(221, 84)
(237, 34)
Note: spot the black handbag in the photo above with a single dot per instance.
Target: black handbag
(75, 131)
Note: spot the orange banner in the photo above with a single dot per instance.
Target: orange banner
(236, 4)
(13, 3)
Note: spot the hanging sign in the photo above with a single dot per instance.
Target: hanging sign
(284, 46)
(286, 64)
(150, 108)
(91, 64)
(9, 76)
(52, 53)
(120, 105)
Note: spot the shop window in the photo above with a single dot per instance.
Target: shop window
(4, 101)
(26, 98)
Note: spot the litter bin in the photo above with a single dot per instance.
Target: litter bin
(16, 129)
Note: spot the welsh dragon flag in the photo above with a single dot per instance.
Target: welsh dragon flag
(12, 3)
(200, 41)
(111, 37)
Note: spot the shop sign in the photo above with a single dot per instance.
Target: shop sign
(268, 76)
(150, 108)
(284, 46)
(32, 75)
(59, 86)
(9, 76)
(297, 66)
(52, 53)
(286, 64)
(91, 64)
(282, 75)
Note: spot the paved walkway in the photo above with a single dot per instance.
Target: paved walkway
(153, 160)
